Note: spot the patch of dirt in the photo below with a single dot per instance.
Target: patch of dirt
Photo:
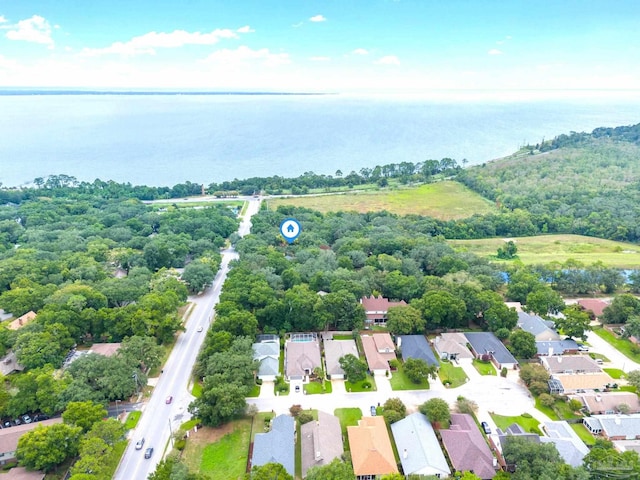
(211, 435)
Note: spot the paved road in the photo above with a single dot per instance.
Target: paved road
(159, 419)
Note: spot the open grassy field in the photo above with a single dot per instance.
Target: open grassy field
(543, 249)
(444, 200)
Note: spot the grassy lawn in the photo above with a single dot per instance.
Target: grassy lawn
(314, 388)
(559, 411)
(623, 345)
(343, 337)
(615, 373)
(359, 386)
(455, 376)
(600, 356)
(583, 433)
(348, 417)
(196, 391)
(443, 200)
(220, 453)
(254, 392)
(399, 381)
(529, 424)
(484, 368)
(132, 419)
(543, 249)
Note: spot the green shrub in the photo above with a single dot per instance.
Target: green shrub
(180, 444)
(366, 384)
(526, 415)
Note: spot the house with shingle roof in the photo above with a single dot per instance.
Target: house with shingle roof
(379, 350)
(557, 347)
(320, 441)
(9, 439)
(614, 427)
(416, 346)
(277, 445)
(467, 448)
(601, 403)
(452, 346)
(371, 451)
(486, 343)
(266, 351)
(570, 364)
(594, 305)
(569, 445)
(566, 383)
(23, 320)
(301, 358)
(537, 326)
(376, 309)
(334, 350)
(418, 447)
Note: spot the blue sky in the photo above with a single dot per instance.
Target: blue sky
(333, 45)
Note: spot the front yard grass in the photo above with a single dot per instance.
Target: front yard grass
(400, 381)
(313, 388)
(615, 373)
(348, 417)
(450, 375)
(623, 345)
(484, 368)
(255, 391)
(132, 419)
(528, 423)
(362, 385)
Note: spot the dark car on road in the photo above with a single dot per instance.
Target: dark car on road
(486, 428)
(373, 411)
(148, 452)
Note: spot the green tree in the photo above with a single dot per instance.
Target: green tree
(633, 378)
(84, 414)
(109, 431)
(603, 460)
(622, 308)
(418, 370)
(141, 352)
(537, 460)
(269, 471)
(219, 402)
(44, 448)
(37, 346)
(336, 470)
(530, 373)
(522, 344)
(464, 405)
(436, 410)
(544, 300)
(405, 320)
(574, 323)
(354, 369)
(394, 410)
(508, 251)
(198, 275)
(441, 309)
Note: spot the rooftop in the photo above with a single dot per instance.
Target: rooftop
(487, 342)
(467, 448)
(334, 350)
(371, 451)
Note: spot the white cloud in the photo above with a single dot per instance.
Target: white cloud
(388, 60)
(320, 59)
(3, 19)
(494, 51)
(360, 51)
(35, 29)
(245, 29)
(318, 18)
(244, 55)
(147, 43)
(7, 63)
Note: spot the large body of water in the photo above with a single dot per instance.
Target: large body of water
(168, 139)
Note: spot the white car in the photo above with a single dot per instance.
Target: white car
(199, 328)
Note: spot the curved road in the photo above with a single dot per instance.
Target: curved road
(160, 419)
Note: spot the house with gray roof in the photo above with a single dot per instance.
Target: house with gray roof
(570, 364)
(302, 356)
(333, 351)
(514, 430)
(467, 448)
(416, 346)
(540, 328)
(557, 347)
(277, 445)
(320, 441)
(452, 346)
(418, 447)
(614, 427)
(486, 343)
(569, 445)
(266, 351)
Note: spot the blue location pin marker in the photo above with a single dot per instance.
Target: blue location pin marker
(290, 229)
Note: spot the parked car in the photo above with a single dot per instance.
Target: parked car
(169, 399)
(582, 347)
(486, 428)
(373, 411)
(199, 328)
(139, 444)
(27, 419)
(148, 452)
(17, 421)
(297, 388)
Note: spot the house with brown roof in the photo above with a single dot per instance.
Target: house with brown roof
(22, 320)
(452, 346)
(301, 356)
(379, 350)
(21, 473)
(566, 383)
(371, 451)
(320, 441)
(594, 305)
(570, 364)
(9, 438)
(467, 448)
(376, 309)
(605, 403)
(334, 350)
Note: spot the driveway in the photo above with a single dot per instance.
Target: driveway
(616, 359)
